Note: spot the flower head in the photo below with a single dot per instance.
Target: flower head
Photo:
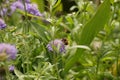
(56, 44)
(3, 11)
(10, 50)
(30, 8)
(2, 24)
(16, 5)
(33, 9)
(11, 68)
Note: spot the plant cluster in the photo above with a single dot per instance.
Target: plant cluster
(40, 41)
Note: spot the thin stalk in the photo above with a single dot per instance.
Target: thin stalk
(7, 73)
(26, 29)
(25, 9)
(23, 59)
(1, 38)
(100, 55)
(55, 60)
(28, 56)
(97, 67)
(4, 15)
(1, 8)
(117, 64)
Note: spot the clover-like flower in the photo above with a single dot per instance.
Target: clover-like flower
(9, 50)
(33, 9)
(56, 45)
(16, 5)
(3, 11)
(2, 24)
(11, 68)
(30, 8)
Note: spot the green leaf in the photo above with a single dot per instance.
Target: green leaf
(18, 74)
(57, 3)
(89, 31)
(40, 3)
(80, 46)
(112, 1)
(57, 7)
(40, 30)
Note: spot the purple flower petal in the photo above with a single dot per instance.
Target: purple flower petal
(2, 24)
(32, 9)
(56, 44)
(16, 5)
(11, 68)
(10, 50)
(3, 12)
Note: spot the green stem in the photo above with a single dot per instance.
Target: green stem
(97, 67)
(55, 61)
(117, 64)
(25, 9)
(1, 38)
(7, 75)
(26, 27)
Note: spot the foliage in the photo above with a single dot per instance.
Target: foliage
(91, 36)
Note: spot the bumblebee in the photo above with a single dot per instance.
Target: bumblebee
(65, 41)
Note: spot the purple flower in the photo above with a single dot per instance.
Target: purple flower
(2, 24)
(16, 5)
(33, 9)
(56, 45)
(11, 68)
(30, 8)
(3, 12)
(10, 50)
